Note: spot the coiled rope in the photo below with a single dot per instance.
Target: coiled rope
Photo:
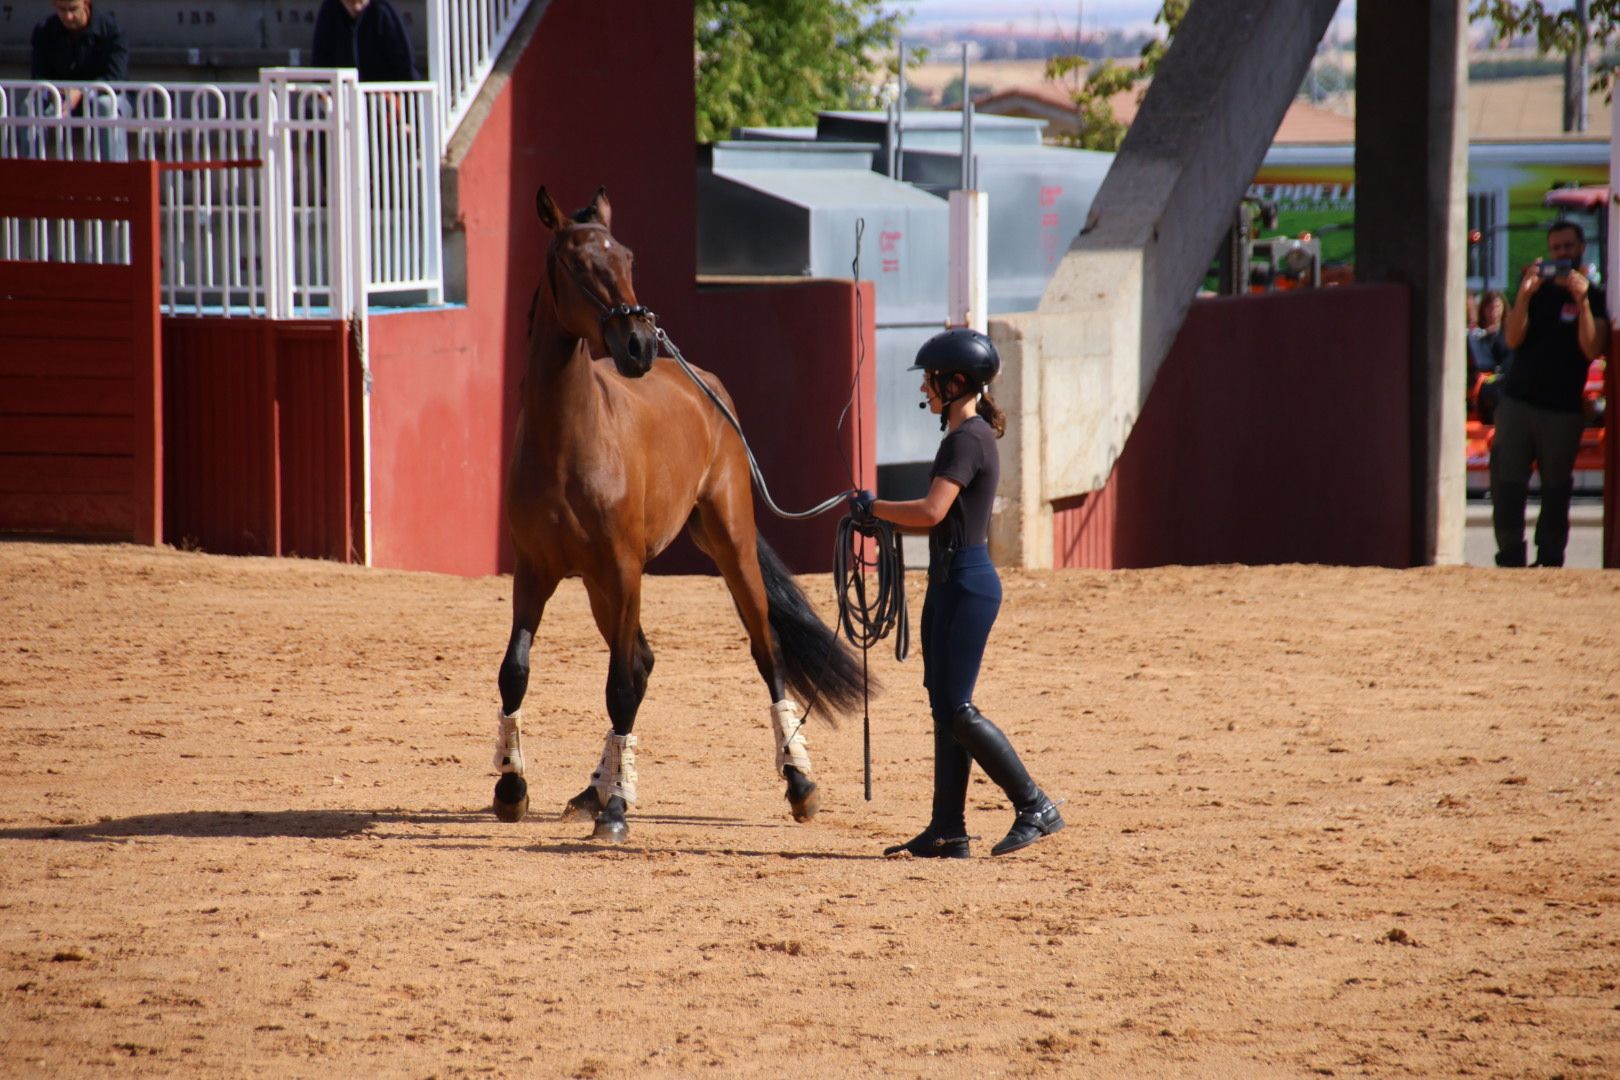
(868, 619)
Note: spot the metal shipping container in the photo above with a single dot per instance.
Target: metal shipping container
(790, 208)
(784, 201)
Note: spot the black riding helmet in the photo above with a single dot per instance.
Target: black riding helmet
(962, 350)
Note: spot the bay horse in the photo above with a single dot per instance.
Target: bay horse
(616, 450)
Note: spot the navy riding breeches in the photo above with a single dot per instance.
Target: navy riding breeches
(958, 612)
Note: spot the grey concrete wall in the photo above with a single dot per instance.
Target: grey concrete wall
(1411, 183)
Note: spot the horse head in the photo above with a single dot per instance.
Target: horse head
(589, 274)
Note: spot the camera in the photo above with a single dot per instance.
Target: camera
(1557, 268)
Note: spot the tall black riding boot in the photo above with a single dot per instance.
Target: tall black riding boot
(946, 835)
(1037, 816)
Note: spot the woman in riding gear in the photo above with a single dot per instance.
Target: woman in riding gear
(964, 594)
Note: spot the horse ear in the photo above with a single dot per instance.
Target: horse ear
(551, 214)
(601, 208)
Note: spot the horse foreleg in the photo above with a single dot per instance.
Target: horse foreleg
(729, 540)
(530, 591)
(588, 804)
(612, 789)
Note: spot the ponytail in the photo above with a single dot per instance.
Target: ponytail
(955, 385)
(992, 414)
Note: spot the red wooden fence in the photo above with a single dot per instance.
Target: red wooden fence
(80, 361)
(1276, 431)
(262, 438)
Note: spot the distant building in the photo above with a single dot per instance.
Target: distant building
(1303, 123)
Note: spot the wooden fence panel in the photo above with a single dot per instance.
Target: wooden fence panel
(81, 414)
(258, 449)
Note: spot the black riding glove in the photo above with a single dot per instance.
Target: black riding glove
(860, 507)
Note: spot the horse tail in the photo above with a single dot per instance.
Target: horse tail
(819, 666)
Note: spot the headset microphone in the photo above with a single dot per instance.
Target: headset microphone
(922, 404)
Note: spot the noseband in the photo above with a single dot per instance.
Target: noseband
(609, 313)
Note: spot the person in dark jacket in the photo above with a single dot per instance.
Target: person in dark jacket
(367, 35)
(78, 44)
(1557, 326)
(964, 595)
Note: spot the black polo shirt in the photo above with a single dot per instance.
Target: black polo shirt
(98, 54)
(968, 457)
(1549, 369)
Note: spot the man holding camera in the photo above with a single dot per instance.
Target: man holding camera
(1558, 324)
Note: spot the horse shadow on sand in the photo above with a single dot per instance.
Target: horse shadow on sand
(299, 824)
(384, 825)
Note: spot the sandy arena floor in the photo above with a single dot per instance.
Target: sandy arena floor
(1322, 821)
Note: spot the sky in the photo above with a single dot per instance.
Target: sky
(1027, 14)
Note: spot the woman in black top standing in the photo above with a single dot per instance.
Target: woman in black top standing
(964, 594)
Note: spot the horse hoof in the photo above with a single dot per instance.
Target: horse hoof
(511, 797)
(612, 830)
(583, 807)
(805, 800)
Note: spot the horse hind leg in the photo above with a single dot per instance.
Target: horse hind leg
(530, 591)
(729, 539)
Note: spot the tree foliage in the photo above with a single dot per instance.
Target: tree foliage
(1555, 27)
(779, 62)
(951, 96)
(1098, 127)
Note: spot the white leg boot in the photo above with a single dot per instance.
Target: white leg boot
(616, 773)
(508, 744)
(787, 729)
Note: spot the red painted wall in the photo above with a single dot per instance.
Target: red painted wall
(1276, 431)
(438, 436)
(445, 384)
(81, 417)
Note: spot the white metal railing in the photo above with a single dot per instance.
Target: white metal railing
(301, 193)
(403, 143)
(465, 38)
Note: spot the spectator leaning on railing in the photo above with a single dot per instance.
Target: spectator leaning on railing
(367, 35)
(76, 44)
